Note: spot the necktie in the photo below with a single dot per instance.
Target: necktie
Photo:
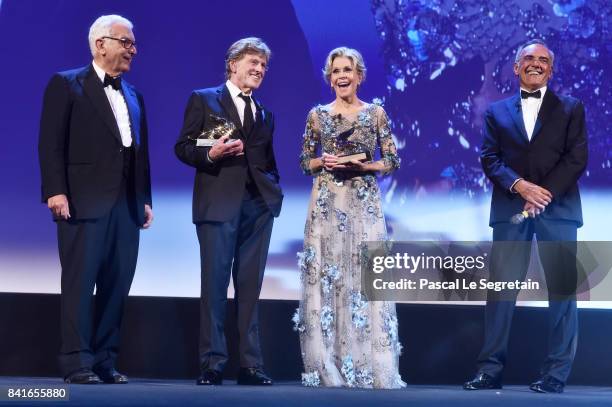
(537, 94)
(247, 121)
(114, 82)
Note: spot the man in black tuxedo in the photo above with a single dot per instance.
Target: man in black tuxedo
(94, 162)
(235, 199)
(534, 152)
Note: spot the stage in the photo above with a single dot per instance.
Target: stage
(185, 393)
(159, 340)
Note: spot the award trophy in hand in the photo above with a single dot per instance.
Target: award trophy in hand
(220, 127)
(352, 150)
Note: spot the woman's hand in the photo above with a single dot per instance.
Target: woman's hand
(359, 166)
(330, 163)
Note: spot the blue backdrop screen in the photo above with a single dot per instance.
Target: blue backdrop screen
(434, 65)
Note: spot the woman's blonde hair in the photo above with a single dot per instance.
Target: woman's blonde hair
(350, 53)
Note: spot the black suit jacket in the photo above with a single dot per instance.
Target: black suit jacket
(80, 149)
(219, 187)
(555, 158)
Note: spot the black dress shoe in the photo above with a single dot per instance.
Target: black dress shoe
(547, 384)
(210, 377)
(111, 376)
(483, 381)
(82, 376)
(253, 376)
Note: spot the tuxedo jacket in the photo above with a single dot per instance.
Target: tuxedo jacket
(555, 158)
(219, 186)
(80, 149)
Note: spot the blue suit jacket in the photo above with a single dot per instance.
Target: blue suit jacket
(555, 158)
(219, 187)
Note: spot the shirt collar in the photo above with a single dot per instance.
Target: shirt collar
(234, 90)
(542, 91)
(99, 71)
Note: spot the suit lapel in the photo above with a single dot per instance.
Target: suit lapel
(226, 102)
(514, 106)
(260, 112)
(94, 90)
(548, 106)
(131, 101)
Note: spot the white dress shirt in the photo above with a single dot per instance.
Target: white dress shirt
(531, 108)
(119, 107)
(238, 102)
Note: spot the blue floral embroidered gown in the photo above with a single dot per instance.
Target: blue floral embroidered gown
(345, 340)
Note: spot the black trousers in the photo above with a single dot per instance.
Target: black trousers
(237, 248)
(101, 253)
(510, 262)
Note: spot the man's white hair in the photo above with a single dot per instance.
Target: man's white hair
(102, 27)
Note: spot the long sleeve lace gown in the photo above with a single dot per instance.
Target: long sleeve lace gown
(346, 340)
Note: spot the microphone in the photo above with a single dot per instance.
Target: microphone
(519, 218)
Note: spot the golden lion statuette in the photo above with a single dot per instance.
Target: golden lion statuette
(220, 127)
(352, 150)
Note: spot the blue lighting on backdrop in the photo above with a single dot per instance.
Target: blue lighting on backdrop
(434, 65)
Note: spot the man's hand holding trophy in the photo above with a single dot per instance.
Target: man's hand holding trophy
(218, 139)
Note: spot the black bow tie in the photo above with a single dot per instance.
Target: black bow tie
(114, 82)
(524, 94)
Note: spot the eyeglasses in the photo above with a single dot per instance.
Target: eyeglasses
(125, 42)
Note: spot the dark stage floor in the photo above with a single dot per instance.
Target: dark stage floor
(145, 392)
